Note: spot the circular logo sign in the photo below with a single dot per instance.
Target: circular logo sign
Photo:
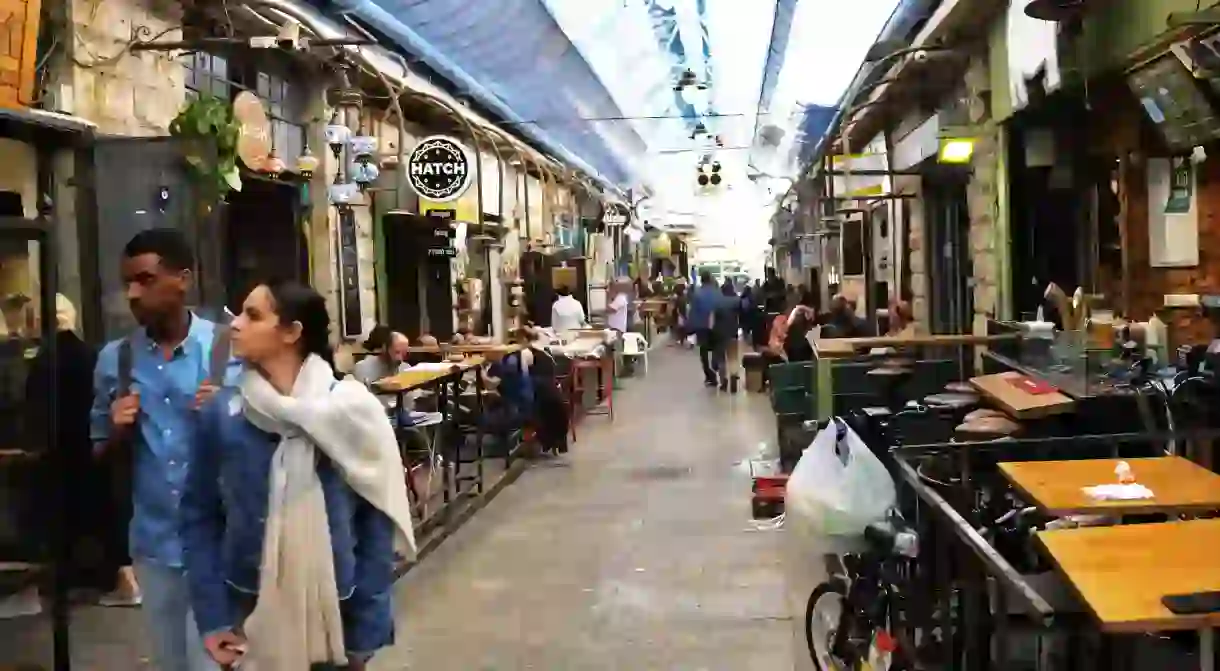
(439, 169)
(615, 214)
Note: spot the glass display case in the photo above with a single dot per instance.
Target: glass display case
(1070, 361)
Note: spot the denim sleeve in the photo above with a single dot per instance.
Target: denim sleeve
(105, 380)
(202, 528)
(368, 614)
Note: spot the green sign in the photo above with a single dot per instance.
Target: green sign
(1181, 186)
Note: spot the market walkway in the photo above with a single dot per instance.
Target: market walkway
(636, 553)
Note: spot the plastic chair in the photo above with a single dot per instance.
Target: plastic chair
(636, 347)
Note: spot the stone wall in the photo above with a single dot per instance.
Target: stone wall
(135, 94)
(917, 262)
(981, 194)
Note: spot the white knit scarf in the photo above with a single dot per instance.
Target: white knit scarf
(297, 621)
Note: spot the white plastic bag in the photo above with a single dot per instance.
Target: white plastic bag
(837, 489)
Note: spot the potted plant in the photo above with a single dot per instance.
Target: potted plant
(210, 132)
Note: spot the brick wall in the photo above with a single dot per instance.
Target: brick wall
(1142, 291)
(1148, 285)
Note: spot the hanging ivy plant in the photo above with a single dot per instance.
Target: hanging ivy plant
(210, 132)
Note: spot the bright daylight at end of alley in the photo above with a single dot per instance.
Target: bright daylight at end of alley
(609, 335)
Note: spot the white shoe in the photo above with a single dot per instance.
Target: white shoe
(25, 603)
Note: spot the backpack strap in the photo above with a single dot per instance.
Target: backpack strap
(125, 366)
(219, 363)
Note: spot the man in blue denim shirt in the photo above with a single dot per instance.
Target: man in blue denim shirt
(152, 427)
(702, 305)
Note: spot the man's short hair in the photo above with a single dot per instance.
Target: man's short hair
(168, 243)
(706, 277)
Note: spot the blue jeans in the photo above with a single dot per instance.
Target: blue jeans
(176, 643)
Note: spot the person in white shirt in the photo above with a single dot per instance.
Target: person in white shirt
(567, 314)
(619, 309)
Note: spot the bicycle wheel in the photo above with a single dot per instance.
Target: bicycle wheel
(823, 613)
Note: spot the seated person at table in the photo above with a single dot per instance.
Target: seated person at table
(788, 340)
(510, 379)
(842, 322)
(902, 320)
(550, 416)
(389, 350)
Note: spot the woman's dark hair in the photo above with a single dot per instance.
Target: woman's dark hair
(296, 302)
(809, 299)
(727, 288)
(379, 338)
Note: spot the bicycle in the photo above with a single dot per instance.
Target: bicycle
(859, 620)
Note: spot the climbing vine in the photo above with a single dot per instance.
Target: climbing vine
(210, 133)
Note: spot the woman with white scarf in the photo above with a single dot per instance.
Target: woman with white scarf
(295, 502)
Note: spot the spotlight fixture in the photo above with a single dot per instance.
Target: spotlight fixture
(715, 179)
(715, 166)
(704, 179)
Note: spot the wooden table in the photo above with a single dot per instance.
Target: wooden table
(1056, 487)
(488, 352)
(412, 379)
(1021, 404)
(1122, 572)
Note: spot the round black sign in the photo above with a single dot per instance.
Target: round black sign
(439, 169)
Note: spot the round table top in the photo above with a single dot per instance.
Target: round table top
(983, 413)
(988, 426)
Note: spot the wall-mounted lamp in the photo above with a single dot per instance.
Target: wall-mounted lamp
(955, 151)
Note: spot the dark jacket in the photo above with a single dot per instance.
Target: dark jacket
(727, 318)
(224, 513)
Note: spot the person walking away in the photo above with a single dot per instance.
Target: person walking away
(726, 322)
(680, 305)
(747, 314)
(295, 504)
(702, 306)
(567, 314)
(772, 299)
(147, 389)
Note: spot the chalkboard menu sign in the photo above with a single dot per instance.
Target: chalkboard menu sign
(1176, 103)
(349, 275)
(440, 243)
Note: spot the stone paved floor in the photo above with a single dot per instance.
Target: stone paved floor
(634, 553)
